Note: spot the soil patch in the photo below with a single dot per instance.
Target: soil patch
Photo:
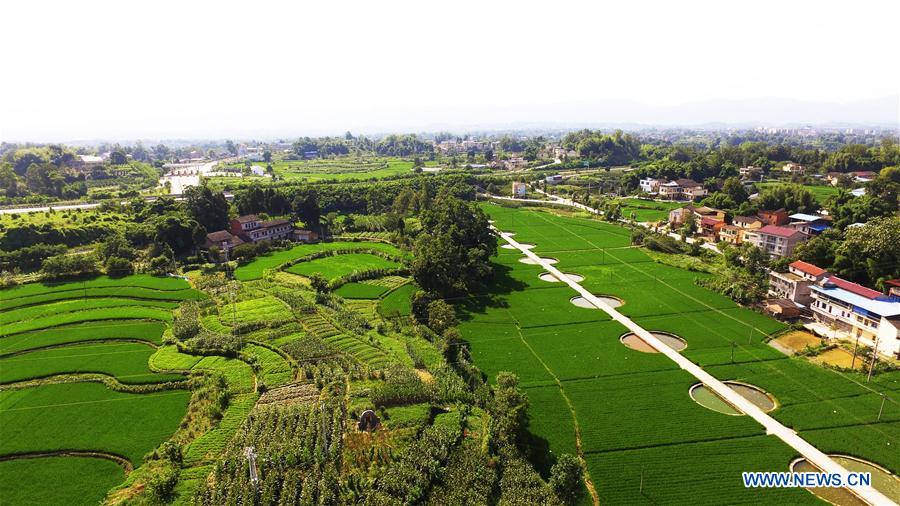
(634, 342)
(795, 341)
(839, 357)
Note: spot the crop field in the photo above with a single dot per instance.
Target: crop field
(88, 416)
(633, 409)
(255, 268)
(264, 309)
(397, 302)
(647, 210)
(150, 331)
(102, 326)
(274, 369)
(127, 362)
(361, 291)
(336, 266)
(58, 480)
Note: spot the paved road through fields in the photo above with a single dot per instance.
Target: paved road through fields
(772, 426)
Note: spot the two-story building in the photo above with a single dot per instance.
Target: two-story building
(250, 229)
(794, 284)
(775, 241)
(650, 185)
(681, 189)
(854, 312)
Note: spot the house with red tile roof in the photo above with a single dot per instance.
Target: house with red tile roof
(794, 284)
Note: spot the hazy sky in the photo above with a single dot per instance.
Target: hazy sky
(124, 69)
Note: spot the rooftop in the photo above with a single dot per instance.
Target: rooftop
(807, 268)
(746, 219)
(779, 231)
(247, 218)
(854, 287)
(877, 307)
(805, 217)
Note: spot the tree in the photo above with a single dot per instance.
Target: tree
(267, 156)
(306, 207)
(869, 254)
(232, 149)
(734, 188)
(207, 208)
(453, 254)
(793, 198)
(565, 478)
(441, 316)
(319, 282)
(509, 410)
(9, 182)
(118, 157)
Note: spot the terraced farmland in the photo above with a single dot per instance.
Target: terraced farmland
(333, 267)
(633, 410)
(87, 331)
(255, 269)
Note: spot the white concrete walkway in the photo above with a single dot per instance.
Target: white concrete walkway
(772, 426)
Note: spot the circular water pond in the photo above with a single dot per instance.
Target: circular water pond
(546, 276)
(636, 343)
(882, 480)
(523, 244)
(529, 261)
(710, 400)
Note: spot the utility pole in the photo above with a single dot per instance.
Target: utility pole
(855, 347)
(732, 351)
(881, 409)
(874, 358)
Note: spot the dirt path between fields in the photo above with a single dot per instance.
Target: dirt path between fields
(122, 461)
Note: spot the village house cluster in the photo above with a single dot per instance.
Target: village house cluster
(774, 232)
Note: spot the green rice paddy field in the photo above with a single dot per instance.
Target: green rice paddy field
(333, 267)
(99, 326)
(633, 408)
(255, 268)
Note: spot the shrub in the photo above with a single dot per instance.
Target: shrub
(70, 266)
(118, 267)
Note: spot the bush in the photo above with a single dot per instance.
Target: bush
(70, 266)
(118, 267)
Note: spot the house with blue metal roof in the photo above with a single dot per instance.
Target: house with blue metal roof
(856, 313)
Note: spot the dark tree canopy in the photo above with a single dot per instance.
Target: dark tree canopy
(452, 255)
